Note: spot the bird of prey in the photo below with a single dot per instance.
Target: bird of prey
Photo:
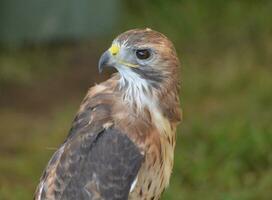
(121, 144)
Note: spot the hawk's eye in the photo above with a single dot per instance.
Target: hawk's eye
(143, 54)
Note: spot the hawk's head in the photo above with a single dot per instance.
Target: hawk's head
(142, 56)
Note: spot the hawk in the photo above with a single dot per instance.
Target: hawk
(121, 144)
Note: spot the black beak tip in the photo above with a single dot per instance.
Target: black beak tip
(100, 69)
(103, 61)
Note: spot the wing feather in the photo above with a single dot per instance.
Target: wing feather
(94, 162)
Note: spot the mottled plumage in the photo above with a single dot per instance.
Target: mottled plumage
(121, 144)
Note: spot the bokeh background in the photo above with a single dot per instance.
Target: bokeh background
(48, 59)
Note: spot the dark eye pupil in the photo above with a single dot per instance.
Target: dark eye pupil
(142, 54)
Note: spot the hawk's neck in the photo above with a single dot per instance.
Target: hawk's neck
(137, 92)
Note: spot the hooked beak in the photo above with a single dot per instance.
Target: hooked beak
(104, 61)
(110, 58)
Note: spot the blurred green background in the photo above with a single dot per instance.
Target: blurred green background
(48, 60)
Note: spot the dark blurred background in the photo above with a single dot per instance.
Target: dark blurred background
(48, 59)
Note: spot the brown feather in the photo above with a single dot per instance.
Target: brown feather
(152, 128)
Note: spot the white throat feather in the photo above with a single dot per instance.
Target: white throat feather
(136, 89)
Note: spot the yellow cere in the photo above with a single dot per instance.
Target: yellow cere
(114, 49)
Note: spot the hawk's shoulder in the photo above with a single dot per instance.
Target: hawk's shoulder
(96, 161)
